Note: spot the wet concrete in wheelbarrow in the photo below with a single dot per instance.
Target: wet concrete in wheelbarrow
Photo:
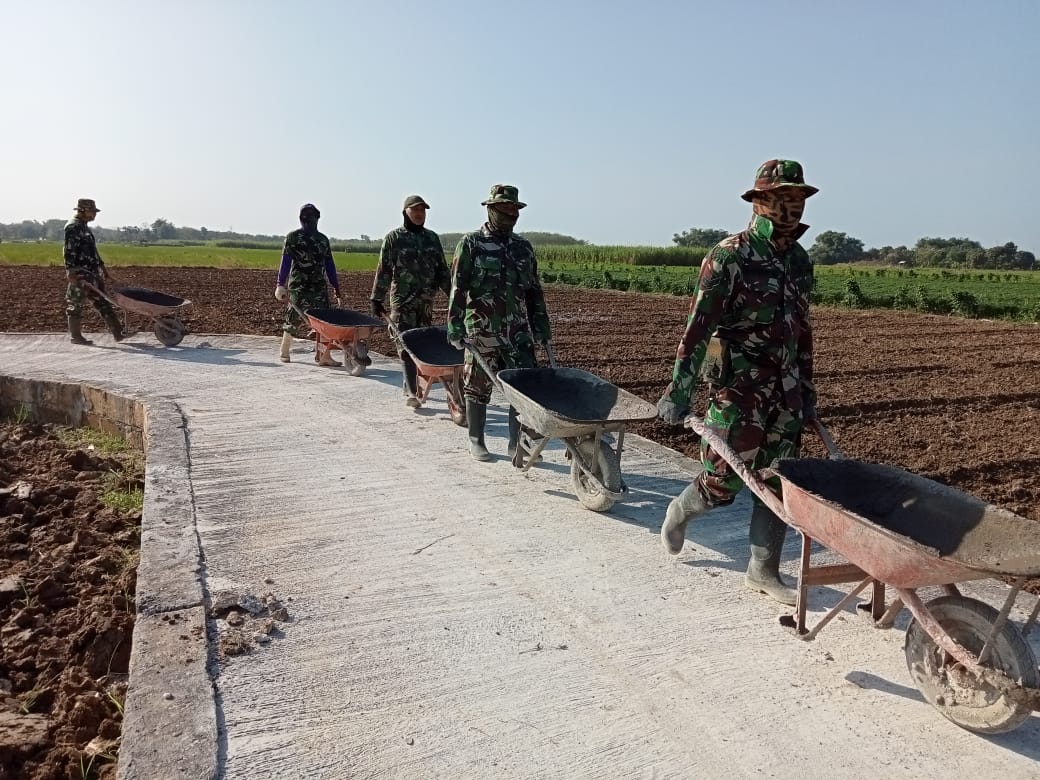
(450, 618)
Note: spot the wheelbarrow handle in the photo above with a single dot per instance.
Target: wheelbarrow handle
(98, 292)
(549, 353)
(833, 452)
(750, 477)
(468, 345)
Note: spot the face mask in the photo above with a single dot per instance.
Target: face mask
(309, 223)
(784, 211)
(501, 223)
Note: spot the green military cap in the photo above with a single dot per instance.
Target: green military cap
(503, 193)
(86, 204)
(774, 174)
(415, 200)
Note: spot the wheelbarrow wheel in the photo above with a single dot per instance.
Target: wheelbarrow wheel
(589, 493)
(169, 331)
(975, 705)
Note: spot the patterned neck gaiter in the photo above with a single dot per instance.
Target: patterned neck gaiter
(409, 225)
(501, 224)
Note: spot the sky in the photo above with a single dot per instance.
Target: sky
(620, 122)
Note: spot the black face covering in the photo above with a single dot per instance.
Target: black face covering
(309, 222)
(409, 225)
(501, 224)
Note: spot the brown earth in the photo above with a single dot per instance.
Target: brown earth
(68, 570)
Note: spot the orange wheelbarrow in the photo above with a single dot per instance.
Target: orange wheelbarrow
(435, 361)
(342, 329)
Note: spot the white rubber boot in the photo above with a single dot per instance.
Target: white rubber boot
(283, 353)
(687, 506)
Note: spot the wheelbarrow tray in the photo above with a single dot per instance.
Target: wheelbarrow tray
(340, 324)
(430, 349)
(148, 303)
(903, 529)
(565, 402)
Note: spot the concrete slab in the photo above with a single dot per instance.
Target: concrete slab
(457, 619)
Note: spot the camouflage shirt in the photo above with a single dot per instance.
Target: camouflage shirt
(308, 256)
(80, 251)
(496, 297)
(755, 300)
(411, 267)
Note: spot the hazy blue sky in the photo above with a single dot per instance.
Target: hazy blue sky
(621, 122)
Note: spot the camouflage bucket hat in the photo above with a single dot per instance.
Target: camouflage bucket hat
(87, 204)
(774, 174)
(503, 193)
(415, 200)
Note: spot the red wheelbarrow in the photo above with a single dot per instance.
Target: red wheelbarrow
(903, 531)
(342, 329)
(435, 361)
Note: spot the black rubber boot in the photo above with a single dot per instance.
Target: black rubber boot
(76, 331)
(115, 327)
(687, 506)
(767, 534)
(514, 431)
(411, 381)
(476, 415)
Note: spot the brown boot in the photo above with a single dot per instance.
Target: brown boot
(76, 331)
(323, 356)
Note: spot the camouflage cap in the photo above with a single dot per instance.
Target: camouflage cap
(309, 207)
(503, 193)
(415, 200)
(774, 174)
(86, 204)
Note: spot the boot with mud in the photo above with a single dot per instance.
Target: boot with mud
(411, 382)
(476, 415)
(323, 356)
(115, 327)
(767, 534)
(687, 506)
(76, 331)
(283, 351)
(514, 440)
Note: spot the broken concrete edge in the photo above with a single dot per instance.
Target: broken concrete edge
(170, 713)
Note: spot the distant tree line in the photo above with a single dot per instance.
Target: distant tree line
(832, 247)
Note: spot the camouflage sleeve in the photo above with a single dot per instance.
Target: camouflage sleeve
(461, 267)
(714, 284)
(805, 353)
(71, 250)
(537, 313)
(384, 271)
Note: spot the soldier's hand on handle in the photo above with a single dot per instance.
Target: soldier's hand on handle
(457, 343)
(337, 301)
(378, 309)
(281, 292)
(670, 412)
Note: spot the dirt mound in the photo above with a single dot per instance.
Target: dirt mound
(68, 567)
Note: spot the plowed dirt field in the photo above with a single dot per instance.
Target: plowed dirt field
(955, 400)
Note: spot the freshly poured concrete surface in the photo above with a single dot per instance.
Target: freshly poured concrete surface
(458, 619)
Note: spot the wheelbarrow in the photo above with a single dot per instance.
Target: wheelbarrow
(435, 361)
(903, 531)
(342, 329)
(163, 311)
(579, 409)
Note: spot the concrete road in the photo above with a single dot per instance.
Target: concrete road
(455, 619)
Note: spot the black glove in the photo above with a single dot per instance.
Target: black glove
(670, 412)
(378, 309)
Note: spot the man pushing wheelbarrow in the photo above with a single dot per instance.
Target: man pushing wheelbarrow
(306, 271)
(751, 313)
(86, 273)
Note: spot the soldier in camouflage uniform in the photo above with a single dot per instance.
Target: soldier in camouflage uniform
(496, 303)
(752, 310)
(412, 269)
(83, 264)
(306, 265)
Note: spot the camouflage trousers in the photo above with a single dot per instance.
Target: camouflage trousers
(476, 385)
(759, 431)
(306, 295)
(418, 314)
(75, 295)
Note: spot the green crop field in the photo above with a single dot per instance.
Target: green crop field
(208, 256)
(671, 271)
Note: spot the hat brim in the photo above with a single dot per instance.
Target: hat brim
(750, 194)
(516, 203)
(422, 203)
